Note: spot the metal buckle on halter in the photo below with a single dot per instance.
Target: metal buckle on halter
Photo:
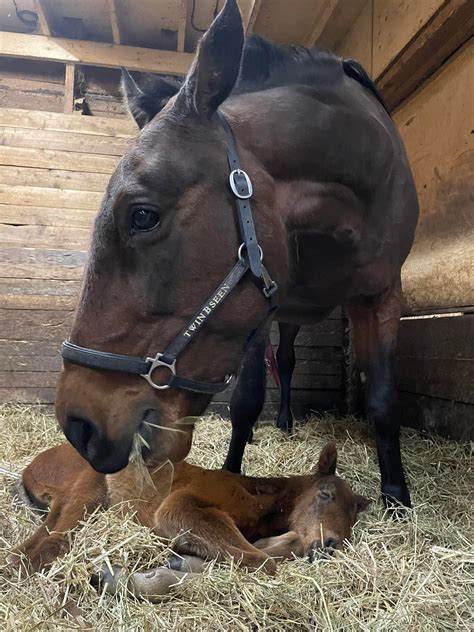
(155, 363)
(241, 193)
(241, 249)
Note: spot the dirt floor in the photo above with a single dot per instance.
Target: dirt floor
(414, 575)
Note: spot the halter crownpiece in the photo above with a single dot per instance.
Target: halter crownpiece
(249, 257)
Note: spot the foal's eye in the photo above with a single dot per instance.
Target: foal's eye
(144, 219)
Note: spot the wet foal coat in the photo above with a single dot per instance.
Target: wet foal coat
(335, 211)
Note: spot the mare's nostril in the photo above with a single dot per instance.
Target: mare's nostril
(79, 432)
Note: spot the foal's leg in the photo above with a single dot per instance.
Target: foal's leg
(286, 365)
(375, 336)
(285, 546)
(246, 403)
(206, 532)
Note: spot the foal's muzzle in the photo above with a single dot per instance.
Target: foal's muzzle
(104, 455)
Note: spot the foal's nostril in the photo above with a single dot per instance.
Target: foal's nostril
(330, 543)
(80, 432)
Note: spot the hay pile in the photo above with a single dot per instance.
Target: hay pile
(394, 576)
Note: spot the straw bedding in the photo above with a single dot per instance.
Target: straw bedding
(413, 575)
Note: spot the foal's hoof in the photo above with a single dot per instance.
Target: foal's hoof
(284, 424)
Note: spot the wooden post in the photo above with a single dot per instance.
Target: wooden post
(69, 89)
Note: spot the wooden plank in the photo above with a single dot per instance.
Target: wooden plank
(42, 18)
(53, 198)
(434, 415)
(13, 302)
(31, 363)
(63, 141)
(32, 349)
(42, 257)
(30, 119)
(93, 53)
(182, 20)
(51, 159)
(435, 356)
(450, 378)
(451, 26)
(114, 23)
(28, 379)
(252, 16)
(27, 395)
(395, 24)
(343, 19)
(54, 179)
(437, 337)
(357, 43)
(69, 88)
(35, 325)
(321, 20)
(21, 215)
(60, 237)
(435, 124)
(25, 271)
(39, 287)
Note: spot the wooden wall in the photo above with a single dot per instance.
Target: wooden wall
(422, 59)
(53, 171)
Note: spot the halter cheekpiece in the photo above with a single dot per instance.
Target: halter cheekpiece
(249, 257)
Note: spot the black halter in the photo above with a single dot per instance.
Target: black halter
(249, 257)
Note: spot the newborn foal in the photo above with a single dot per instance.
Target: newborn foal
(208, 513)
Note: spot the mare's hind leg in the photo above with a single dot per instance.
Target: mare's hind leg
(286, 365)
(246, 403)
(375, 336)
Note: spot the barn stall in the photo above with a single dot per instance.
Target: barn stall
(63, 129)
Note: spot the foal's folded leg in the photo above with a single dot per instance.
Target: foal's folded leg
(285, 546)
(206, 532)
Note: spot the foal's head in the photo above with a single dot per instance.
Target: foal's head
(165, 237)
(325, 514)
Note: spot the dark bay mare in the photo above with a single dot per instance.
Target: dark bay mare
(174, 290)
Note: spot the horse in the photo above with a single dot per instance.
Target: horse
(273, 185)
(207, 514)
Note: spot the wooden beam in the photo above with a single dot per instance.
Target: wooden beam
(93, 53)
(253, 14)
(114, 21)
(447, 31)
(42, 19)
(320, 22)
(69, 89)
(182, 19)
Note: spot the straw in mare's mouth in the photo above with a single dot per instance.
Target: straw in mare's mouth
(136, 456)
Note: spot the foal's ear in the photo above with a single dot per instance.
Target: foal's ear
(217, 63)
(144, 104)
(328, 459)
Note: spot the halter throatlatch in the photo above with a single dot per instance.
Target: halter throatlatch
(249, 257)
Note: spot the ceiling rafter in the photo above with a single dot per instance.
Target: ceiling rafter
(321, 20)
(114, 21)
(182, 20)
(45, 29)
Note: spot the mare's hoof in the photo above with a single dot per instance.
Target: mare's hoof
(397, 501)
(284, 424)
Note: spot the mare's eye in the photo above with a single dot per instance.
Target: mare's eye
(325, 495)
(144, 219)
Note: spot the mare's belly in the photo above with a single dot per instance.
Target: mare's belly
(322, 271)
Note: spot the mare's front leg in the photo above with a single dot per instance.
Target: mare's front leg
(246, 403)
(375, 336)
(286, 365)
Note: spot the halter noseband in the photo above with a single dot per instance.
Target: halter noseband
(249, 257)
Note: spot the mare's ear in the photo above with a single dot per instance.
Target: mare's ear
(362, 502)
(216, 65)
(144, 104)
(328, 459)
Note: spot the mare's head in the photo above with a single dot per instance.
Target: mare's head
(325, 514)
(164, 239)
